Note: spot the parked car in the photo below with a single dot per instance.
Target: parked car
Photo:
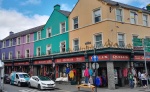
(6, 78)
(19, 78)
(41, 82)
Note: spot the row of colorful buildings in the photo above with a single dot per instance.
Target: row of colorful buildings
(102, 27)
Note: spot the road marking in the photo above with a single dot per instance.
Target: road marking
(31, 90)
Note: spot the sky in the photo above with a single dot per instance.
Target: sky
(19, 15)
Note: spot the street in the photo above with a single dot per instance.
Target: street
(69, 88)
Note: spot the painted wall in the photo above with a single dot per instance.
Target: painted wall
(108, 27)
(54, 23)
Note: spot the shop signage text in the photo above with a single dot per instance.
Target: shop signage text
(140, 58)
(8, 64)
(43, 62)
(21, 63)
(102, 57)
(119, 57)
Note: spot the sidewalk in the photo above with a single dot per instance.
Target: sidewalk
(72, 88)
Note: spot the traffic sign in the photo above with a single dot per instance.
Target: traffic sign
(97, 65)
(94, 58)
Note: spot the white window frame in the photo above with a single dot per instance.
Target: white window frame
(94, 36)
(93, 12)
(135, 17)
(61, 48)
(18, 55)
(47, 49)
(3, 56)
(4, 44)
(26, 53)
(37, 51)
(38, 37)
(76, 45)
(48, 31)
(11, 42)
(122, 13)
(123, 39)
(61, 29)
(145, 20)
(18, 41)
(10, 55)
(28, 41)
(76, 23)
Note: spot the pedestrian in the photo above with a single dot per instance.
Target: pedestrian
(130, 78)
(135, 81)
(139, 79)
(144, 80)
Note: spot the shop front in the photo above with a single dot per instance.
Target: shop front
(8, 68)
(21, 67)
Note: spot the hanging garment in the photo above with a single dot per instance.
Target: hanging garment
(97, 81)
(74, 71)
(125, 72)
(86, 80)
(67, 70)
(86, 73)
(71, 74)
(91, 80)
(90, 72)
(104, 80)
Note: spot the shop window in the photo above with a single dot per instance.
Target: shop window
(62, 27)
(76, 44)
(48, 49)
(75, 23)
(119, 15)
(97, 15)
(98, 40)
(121, 40)
(63, 47)
(48, 32)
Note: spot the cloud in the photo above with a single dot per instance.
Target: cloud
(66, 7)
(11, 20)
(35, 2)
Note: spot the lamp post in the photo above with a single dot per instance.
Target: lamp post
(95, 69)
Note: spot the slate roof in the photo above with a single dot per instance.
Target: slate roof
(25, 32)
(126, 6)
(66, 13)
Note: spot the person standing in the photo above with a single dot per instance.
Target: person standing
(130, 77)
(144, 80)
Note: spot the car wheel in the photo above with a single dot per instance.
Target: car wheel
(29, 85)
(39, 87)
(19, 84)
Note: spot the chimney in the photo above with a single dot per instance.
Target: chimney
(11, 33)
(57, 7)
(148, 7)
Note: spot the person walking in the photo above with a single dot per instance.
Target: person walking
(144, 80)
(130, 78)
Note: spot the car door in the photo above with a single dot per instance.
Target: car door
(16, 79)
(36, 82)
(32, 79)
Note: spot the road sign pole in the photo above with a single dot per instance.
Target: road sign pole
(95, 71)
(145, 61)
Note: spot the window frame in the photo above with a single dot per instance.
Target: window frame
(47, 32)
(11, 42)
(38, 52)
(47, 49)
(122, 17)
(61, 29)
(28, 39)
(76, 23)
(123, 39)
(18, 55)
(135, 17)
(76, 45)
(94, 36)
(38, 37)
(10, 53)
(4, 44)
(3, 56)
(18, 40)
(27, 53)
(94, 15)
(145, 20)
(61, 48)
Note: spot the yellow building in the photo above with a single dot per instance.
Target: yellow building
(110, 27)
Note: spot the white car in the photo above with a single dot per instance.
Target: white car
(41, 82)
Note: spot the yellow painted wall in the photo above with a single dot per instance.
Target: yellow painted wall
(108, 26)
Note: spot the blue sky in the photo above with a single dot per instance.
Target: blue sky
(19, 15)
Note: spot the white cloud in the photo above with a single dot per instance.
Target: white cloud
(35, 2)
(65, 7)
(11, 20)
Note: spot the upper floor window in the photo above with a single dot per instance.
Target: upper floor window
(10, 55)
(27, 53)
(76, 44)
(48, 49)
(97, 15)
(48, 33)
(28, 38)
(121, 40)
(62, 27)
(98, 40)
(75, 23)
(38, 50)
(11, 42)
(133, 16)
(119, 15)
(18, 54)
(63, 47)
(18, 41)
(38, 35)
(3, 56)
(145, 20)
(4, 44)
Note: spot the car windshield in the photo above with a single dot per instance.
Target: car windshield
(24, 76)
(44, 78)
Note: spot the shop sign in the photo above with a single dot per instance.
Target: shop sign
(140, 58)
(119, 57)
(73, 59)
(102, 57)
(21, 63)
(8, 64)
(43, 62)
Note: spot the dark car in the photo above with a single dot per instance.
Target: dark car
(6, 78)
